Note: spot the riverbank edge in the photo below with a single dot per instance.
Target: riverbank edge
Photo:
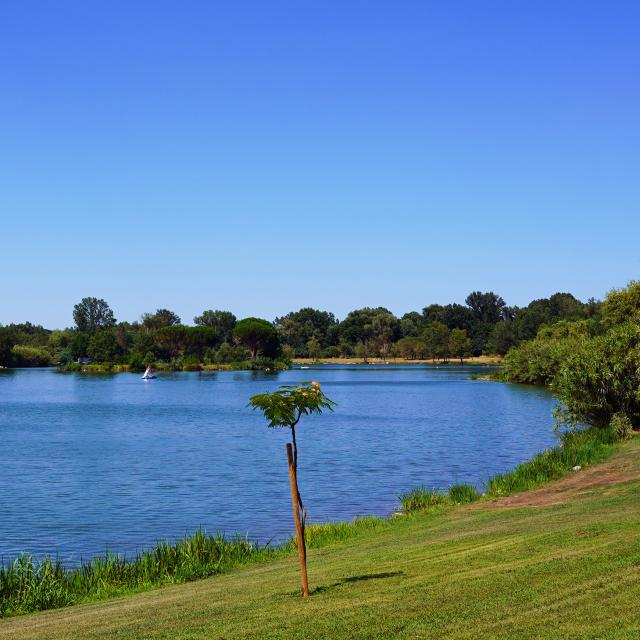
(277, 365)
(69, 586)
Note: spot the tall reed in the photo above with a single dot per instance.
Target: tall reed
(27, 584)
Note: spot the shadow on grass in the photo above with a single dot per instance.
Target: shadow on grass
(368, 576)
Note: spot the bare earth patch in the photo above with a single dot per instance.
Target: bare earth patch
(622, 467)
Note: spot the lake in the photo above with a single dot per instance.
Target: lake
(91, 463)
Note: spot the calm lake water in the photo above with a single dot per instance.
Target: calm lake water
(91, 463)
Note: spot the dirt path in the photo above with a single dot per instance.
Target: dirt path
(624, 466)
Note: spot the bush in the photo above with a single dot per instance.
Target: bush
(621, 426)
(25, 356)
(601, 378)
(191, 363)
(136, 362)
(463, 493)
(535, 362)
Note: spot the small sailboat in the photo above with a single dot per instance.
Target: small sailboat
(148, 374)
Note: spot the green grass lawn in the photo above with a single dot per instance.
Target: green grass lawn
(568, 570)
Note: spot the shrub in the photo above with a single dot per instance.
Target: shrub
(191, 363)
(600, 378)
(534, 362)
(621, 426)
(26, 356)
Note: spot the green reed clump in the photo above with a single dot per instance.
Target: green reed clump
(31, 585)
(576, 448)
(463, 493)
(422, 499)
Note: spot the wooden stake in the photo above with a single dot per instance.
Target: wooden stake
(302, 556)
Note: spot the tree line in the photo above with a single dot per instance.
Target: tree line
(484, 324)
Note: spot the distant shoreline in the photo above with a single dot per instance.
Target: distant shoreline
(496, 360)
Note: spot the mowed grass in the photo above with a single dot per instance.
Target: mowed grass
(479, 571)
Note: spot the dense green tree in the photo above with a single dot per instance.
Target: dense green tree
(124, 333)
(411, 324)
(172, 340)
(230, 353)
(103, 346)
(503, 338)
(79, 345)
(375, 328)
(6, 345)
(436, 339)
(299, 327)
(92, 314)
(459, 343)
(161, 318)
(144, 342)
(259, 336)
(622, 305)
(199, 340)
(385, 329)
(314, 349)
(222, 322)
(487, 307)
(410, 348)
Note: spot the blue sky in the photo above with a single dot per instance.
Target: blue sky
(261, 157)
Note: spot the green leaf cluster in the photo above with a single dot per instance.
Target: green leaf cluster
(285, 407)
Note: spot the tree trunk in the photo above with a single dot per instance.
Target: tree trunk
(295, 502)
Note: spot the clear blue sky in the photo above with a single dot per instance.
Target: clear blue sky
(264, 156)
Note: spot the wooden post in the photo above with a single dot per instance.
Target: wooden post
(302, 556)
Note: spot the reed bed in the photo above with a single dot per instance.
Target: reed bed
(27, 584)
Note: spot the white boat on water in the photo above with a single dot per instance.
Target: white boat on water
(148, 374)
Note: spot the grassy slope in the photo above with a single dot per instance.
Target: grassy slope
(561, 571)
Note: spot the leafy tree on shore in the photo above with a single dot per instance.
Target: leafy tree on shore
(257, 335)
(313, 348)
(298, 327)
(459, 343)
(374, 328)
(172, 339)
(92, 314)
(222, 322)
(102, 346)
(436, 339)
(410, 348)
